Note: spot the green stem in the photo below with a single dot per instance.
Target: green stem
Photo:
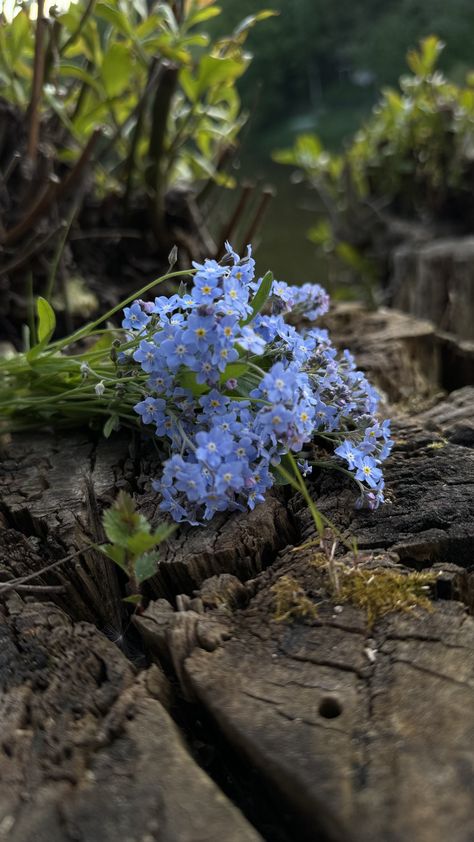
(88, 329)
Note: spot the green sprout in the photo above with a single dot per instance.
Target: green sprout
(133, 544)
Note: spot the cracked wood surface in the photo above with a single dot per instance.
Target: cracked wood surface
(367, 735)
(429, 514)
(362, 735)
(88, 751)
(51, 490)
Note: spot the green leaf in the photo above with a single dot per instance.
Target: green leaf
(145, 566)
(117, 69)
(165, 530)
(116, 553)
(423, 62)
(278, 478)
(251, 20)
(141, 542)
(218, 71)
(117, 529)
(115, 17)
(234, 371)
(167, 15)
(110, 425)
(46, 320)
(201, 15)
(134, 599)
(187, 379)
(261, 297)
(76, 72)
(103, 343)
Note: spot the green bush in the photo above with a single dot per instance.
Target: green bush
(139, 87)
(414, 157)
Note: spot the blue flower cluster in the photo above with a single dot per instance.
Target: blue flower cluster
(233, 387)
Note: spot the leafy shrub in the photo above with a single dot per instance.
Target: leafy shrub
(137, 89)
(413, 157)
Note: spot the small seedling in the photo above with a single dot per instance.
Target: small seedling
(133, 545)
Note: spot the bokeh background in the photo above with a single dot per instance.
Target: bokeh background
(319, 67)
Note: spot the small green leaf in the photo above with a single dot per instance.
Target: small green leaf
(115, 17)
(134, 599)
(104, 342)
(46, 320)
(234, 371)
(117, 69)
(117, 529)
(164, 531)
(251, 20)
(110, 425)
(145, 566)
(76, 72)
(141, 542)
(261, 297)
(116, 553)
(218, 71)
(201, 15)
(187, 379)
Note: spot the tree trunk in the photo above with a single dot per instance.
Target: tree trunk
(205, 718)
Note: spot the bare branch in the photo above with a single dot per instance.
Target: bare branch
(37, 86)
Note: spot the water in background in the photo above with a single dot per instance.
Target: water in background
(282, 244)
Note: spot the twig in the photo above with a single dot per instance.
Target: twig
(37, 85)
(11, 166)
(165, 89)
(267, 194)
(225, 158)
(74, 35)
(153, 75)
(75, 174)
(41, 589)
(227, 232)
(61, 246)
(54, 191)
(30, 303)
(107, 234)
(32, 213)
(10, 586)
(24, 257)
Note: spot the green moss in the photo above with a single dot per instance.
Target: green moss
(380, 592)
(291, 602)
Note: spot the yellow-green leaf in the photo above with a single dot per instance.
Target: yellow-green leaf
(46, 320)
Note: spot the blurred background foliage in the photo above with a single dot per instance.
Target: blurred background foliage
(117, 121)
(412, 159)
(324, 62)
(319, 68)
(156, 95)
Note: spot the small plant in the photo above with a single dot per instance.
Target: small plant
(133, 544)
(413, 157)
(232, 393)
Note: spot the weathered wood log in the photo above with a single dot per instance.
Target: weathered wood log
(435, 281)
(365, 732)
(51, 487)
(88, 751)
(361, 733)
(366, 735)
(399, 353)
